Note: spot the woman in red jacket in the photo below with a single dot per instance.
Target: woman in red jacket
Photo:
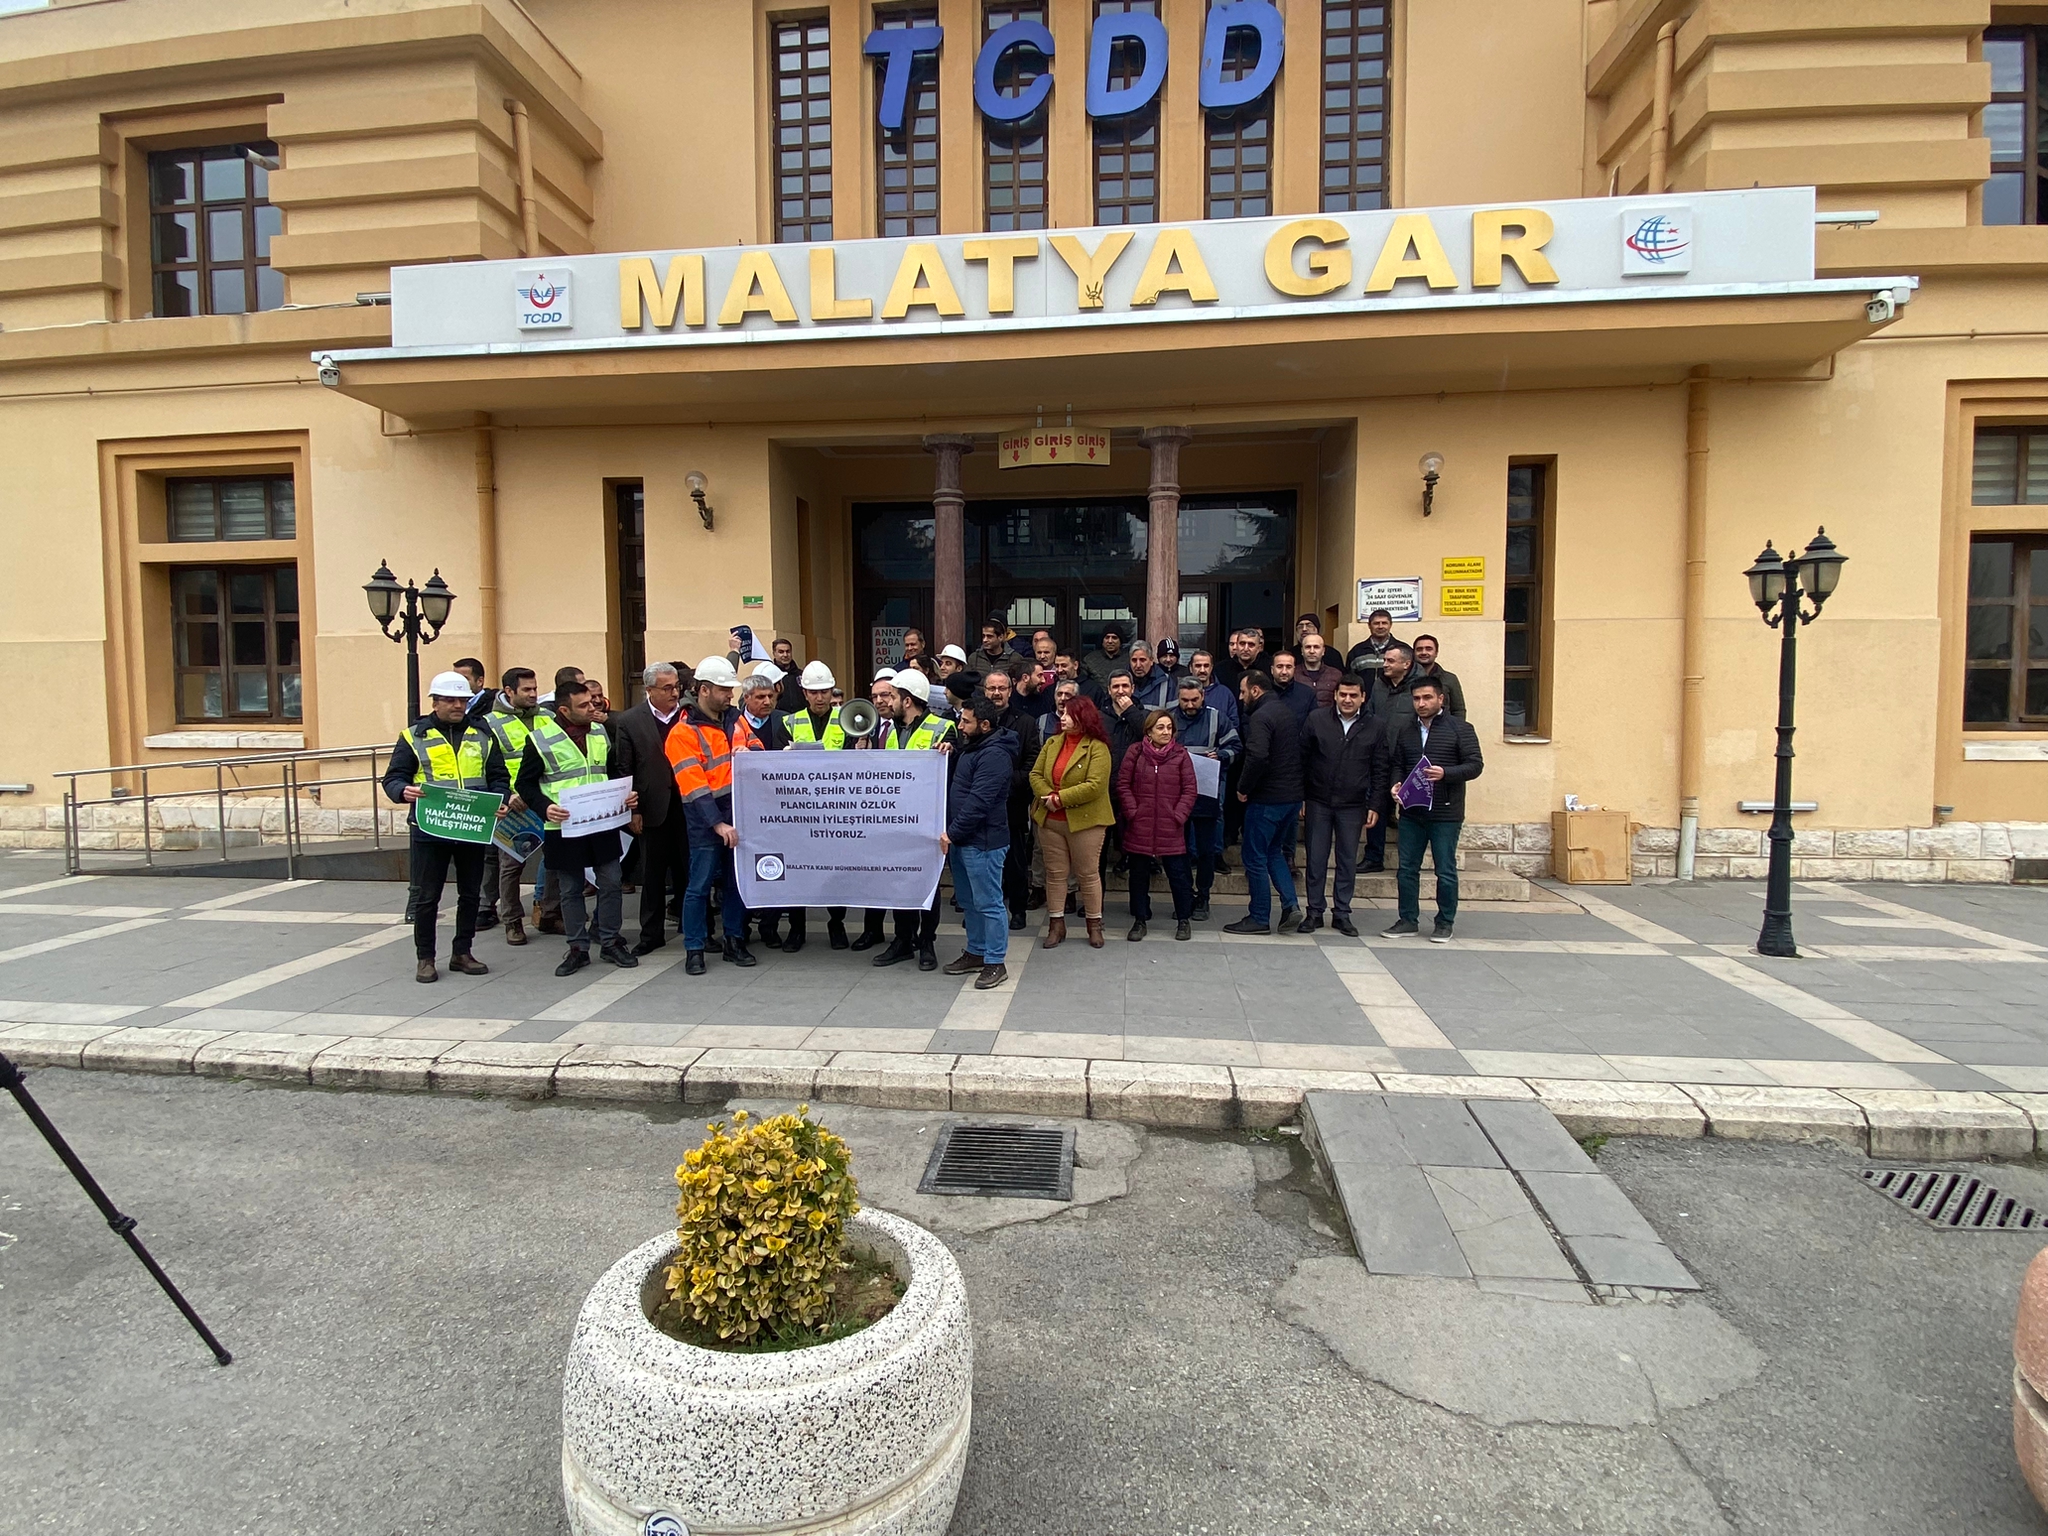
(1156, 788)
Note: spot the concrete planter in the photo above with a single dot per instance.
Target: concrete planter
(2030, 1379)
(868, 1434)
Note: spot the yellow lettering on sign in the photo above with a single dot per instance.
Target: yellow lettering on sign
(1429, 261)
(921, 281)
(825, 301)
(756, 270)
(640, 294)
(1329, 265)
(1174, 266)
(1002, 257)
(1491, 241)
(1091, 268)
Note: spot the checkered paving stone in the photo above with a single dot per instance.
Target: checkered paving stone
(1902, 987)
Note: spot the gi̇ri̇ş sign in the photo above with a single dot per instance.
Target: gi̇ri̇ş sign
(1721, 244)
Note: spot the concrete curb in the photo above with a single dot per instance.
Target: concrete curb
(1911, 1124)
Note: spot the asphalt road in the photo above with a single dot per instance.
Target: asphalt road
(1188, 1349)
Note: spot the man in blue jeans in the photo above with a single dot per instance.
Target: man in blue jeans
(977, 837)
(1451, 748)
(1270, 789)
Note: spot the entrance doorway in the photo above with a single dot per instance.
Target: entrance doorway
(1075, 567)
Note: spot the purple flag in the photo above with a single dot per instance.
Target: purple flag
(1416, 792)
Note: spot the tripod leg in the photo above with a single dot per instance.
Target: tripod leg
(11, 1080)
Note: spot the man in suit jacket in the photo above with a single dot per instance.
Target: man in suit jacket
(1344, 777)
(1452, 748)
(640, 752)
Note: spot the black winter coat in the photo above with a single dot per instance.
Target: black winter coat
(1453, 747)
(1272, 754)
(1343, 768)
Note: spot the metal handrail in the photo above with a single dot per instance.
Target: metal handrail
(288, 785)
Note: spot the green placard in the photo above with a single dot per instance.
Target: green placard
(460, 815)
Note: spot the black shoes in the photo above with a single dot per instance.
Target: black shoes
(486, 920)
(574, 961)
(991, 976)
(1345, 926)
(899, 950)
(1247, 925)
(693, 963)
(769, 936)
(794, 940)
(835, 934)
(737, 953)
(867, 940)
(1201, 912)
(1441, 934)
(619, 955)
(927, 958)
(1016, 922)
(1290, 919)
(648, 946)
(1309, 924)
(1182, 931)
(1137, 932)
(1401, 928)
(968, 961)
(1036, 899)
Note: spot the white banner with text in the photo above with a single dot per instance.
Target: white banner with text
(852, 829)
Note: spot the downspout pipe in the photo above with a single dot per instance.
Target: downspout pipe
(529, 208)
(1660, 107)
(487, 545)
(1692, 747)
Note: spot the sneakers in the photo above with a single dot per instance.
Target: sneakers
(1441, 933)
(619, 955)
(1310, 923)
(1247, 925)
(899, 950)
(1400, 928)
(1137, 932)
(1343, 924)
(736, 952)
(693, 963)
(469, 965)
(967, 962)
(1290, 919)
(991, 976)
(574, 961)
(1182, 931)
(426, 972)
(1200, 913)
(515, 932)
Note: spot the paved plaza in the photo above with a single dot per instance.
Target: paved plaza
(1900, 987)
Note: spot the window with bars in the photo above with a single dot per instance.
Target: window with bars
(907, 161)
(2016, 123)
(1013, 192)
(2009, 467)
(1355, 51)
(803, 127)
(1127, 148)
(1240, 143)
(2005, 677)
(203, 511)
(211, 224)
(1522, 602)
(237, 642)
(629, 512)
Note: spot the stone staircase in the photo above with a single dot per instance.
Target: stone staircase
(1479, 878)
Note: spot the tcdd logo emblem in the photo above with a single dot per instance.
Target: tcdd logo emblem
(543, 299)
(1656, 240)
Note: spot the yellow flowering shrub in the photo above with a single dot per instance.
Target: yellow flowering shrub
(764, 1206)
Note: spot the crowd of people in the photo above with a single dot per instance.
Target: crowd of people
(1065, 769)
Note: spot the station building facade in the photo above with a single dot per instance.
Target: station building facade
(638, 321)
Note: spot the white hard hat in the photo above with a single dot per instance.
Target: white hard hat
(449, 685)
(888, 674)
(718, 672)
(767, 670)
(818, 675)
(956, 653)
(914, 683)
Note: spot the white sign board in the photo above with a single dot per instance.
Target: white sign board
(1208, 776)
(821, 829)
(1580, 250)
(1399, 595)
(594, 807)
(886, 645)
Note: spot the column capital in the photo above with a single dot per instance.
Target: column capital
(938, 442)
(1150, 435)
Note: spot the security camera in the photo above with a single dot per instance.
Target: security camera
(330, 373)
(1882, 307)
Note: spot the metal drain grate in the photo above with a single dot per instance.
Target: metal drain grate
(1959, 1201)
(1029, 1162)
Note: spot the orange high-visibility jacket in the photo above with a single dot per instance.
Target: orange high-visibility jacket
(700, 750)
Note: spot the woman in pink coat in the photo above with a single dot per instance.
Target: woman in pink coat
(1156, 788)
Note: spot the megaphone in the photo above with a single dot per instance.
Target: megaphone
(857, 717)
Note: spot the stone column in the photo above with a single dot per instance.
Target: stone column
(949, 544)
(1162, 561)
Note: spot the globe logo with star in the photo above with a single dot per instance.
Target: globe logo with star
(1656, 239)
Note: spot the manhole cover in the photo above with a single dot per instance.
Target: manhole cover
(1961, 1202)
(1031, 1162)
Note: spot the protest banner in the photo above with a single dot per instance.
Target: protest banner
(459, 815)
(520, 833)
(824, 829)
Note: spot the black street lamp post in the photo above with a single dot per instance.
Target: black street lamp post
(1776, 585)
(420, 612)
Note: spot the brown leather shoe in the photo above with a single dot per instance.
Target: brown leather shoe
(426, 972)
(515, 933)
(543, 924)
(469, 965)
(1055, 933)
(963, 965)
(1094, 932)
